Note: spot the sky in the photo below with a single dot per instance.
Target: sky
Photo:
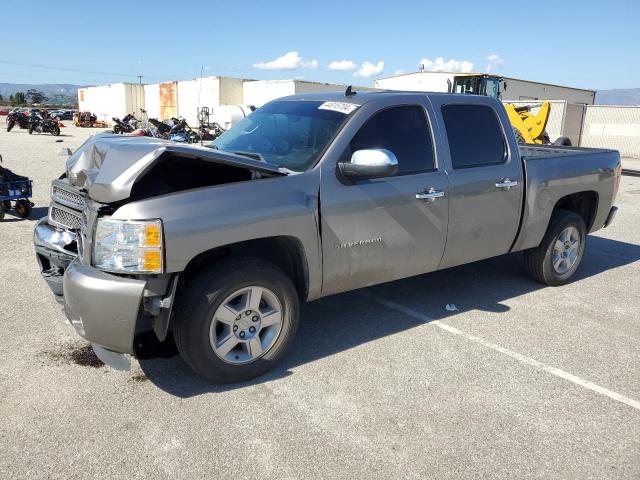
(586, 44)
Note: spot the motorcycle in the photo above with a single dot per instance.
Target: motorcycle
(43, 123)
(18, 117)
(182, 132)
(127, 125)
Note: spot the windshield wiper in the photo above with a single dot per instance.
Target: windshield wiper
(252, 155)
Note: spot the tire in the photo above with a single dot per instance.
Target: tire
(23, 208)
(7, 205)
(539, 261)
(55, 130)
(204, 297)
(519, 138)
(562, 142)
(117, 130)
(10, 125)
(30, 129)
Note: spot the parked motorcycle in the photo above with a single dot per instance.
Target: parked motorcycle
(127, 125)
(19, 117)
(41, 122)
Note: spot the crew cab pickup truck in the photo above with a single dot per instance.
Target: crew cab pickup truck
(308, 196)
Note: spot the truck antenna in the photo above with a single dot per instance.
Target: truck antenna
(349, 91)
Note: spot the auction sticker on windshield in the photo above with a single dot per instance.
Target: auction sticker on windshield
(341, 107)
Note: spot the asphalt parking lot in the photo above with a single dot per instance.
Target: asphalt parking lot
(521, 381)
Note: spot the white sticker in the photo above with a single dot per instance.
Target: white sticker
(341, 107)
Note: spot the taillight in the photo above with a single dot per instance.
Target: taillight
(618, 179)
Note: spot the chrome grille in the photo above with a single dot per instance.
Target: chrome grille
(65, 217)
(64, 194)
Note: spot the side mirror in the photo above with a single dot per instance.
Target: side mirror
(371, 163)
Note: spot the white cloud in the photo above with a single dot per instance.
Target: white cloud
(342, 65)
(367, 69)
(442, 65)
(495, 61)
(288, 61)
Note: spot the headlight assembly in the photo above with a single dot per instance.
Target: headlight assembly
(127, 246)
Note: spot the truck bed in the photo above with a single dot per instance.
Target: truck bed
(548, 180)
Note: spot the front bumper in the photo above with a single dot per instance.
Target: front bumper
(103, 308)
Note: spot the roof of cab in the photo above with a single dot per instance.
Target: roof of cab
(358, 98)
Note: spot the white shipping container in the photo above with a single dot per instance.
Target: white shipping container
(115, 100)
(208, 92)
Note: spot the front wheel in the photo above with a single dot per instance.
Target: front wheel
(558, 256)
(55, 130)
(30, 129)
(236, 320)
(23, 208)
(10, 125)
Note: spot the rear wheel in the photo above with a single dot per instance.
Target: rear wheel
(236, 320)
(519, 138)
(23, 208)
(558, 256)
(7, 205)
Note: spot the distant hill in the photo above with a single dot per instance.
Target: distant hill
(619, 96)
(58, 93)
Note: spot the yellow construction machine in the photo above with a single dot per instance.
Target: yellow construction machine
(528, 127)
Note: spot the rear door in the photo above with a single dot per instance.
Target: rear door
(485, 179)
(379, 230)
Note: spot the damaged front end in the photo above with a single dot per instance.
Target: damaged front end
(106, 306)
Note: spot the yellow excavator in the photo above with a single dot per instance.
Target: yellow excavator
(528, 127)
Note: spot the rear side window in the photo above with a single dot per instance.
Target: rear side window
(475, 136)
(403, 131)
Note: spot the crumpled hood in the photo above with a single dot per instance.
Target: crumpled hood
(108, 165)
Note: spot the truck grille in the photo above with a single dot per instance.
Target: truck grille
(63, 194)
(65, 217)
(67, 206)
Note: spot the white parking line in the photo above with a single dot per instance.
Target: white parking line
(521, 358)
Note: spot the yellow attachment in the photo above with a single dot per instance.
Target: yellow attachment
(531, 127)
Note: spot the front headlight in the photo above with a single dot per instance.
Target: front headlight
(128, 246)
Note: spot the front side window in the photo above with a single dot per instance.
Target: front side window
(475, 136)
(289, 134)
(403, 131)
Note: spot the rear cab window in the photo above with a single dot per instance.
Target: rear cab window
(475, 135)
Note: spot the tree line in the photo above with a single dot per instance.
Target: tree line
(32, 96)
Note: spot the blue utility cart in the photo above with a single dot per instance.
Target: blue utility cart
(17, 189)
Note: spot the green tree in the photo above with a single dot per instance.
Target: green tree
(1, 98)
(19, 98)
(36, 96)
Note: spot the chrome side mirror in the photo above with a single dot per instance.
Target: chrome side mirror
(370, 163)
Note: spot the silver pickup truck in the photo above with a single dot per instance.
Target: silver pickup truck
(308, 196)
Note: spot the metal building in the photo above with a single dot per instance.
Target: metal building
(512, 89)
(259, 92)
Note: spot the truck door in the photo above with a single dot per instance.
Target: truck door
(485, 180)
(383, 229)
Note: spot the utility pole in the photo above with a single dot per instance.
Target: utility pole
(140, 79)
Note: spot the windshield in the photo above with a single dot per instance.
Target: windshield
(289, 134)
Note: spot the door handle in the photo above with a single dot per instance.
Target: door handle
(429, 195)
(506, 183)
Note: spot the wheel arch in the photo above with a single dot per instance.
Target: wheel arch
(583, 203)
(285, 252)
